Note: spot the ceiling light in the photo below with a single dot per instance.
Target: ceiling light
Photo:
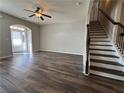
(38, 14)
(79, 3)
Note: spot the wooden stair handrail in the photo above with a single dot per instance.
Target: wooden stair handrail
(120, 32)
(110, 19)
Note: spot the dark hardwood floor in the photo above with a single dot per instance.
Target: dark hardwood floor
(46, 72)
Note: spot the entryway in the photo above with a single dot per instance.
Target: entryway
(21, 39)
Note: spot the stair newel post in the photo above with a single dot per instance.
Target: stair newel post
(87, 67)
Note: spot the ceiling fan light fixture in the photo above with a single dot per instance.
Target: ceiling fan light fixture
(38, 14)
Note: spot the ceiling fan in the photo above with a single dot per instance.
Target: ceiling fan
(38, 13)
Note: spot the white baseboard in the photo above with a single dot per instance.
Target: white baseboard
(37, 50)
(85, 74)
(62, 52)
(4, 57)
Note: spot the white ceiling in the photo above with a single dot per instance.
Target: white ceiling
(60, 10)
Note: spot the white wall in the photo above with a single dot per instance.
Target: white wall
(5, 34)
(122, 14)
(94, 12)
(113, 9)
(90, 11)
(63, 37)
(66, 37)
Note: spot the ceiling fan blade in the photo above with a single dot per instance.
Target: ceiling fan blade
(46, 15)
(42, 18)
(38, 8)
(32, 15)
(29, 10)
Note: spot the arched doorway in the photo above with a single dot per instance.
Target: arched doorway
(21, 38)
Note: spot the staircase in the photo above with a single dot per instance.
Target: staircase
(104, 59)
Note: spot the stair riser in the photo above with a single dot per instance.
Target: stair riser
(101, 43)
(105, 62)
(102, 47)
(107, 66)
(105, 58)
(103, 52)
(98, 34)
(97, 31)
(107, 75)
(98, 37)
(103, 55)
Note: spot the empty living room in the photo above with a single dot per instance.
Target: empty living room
(61, 46)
